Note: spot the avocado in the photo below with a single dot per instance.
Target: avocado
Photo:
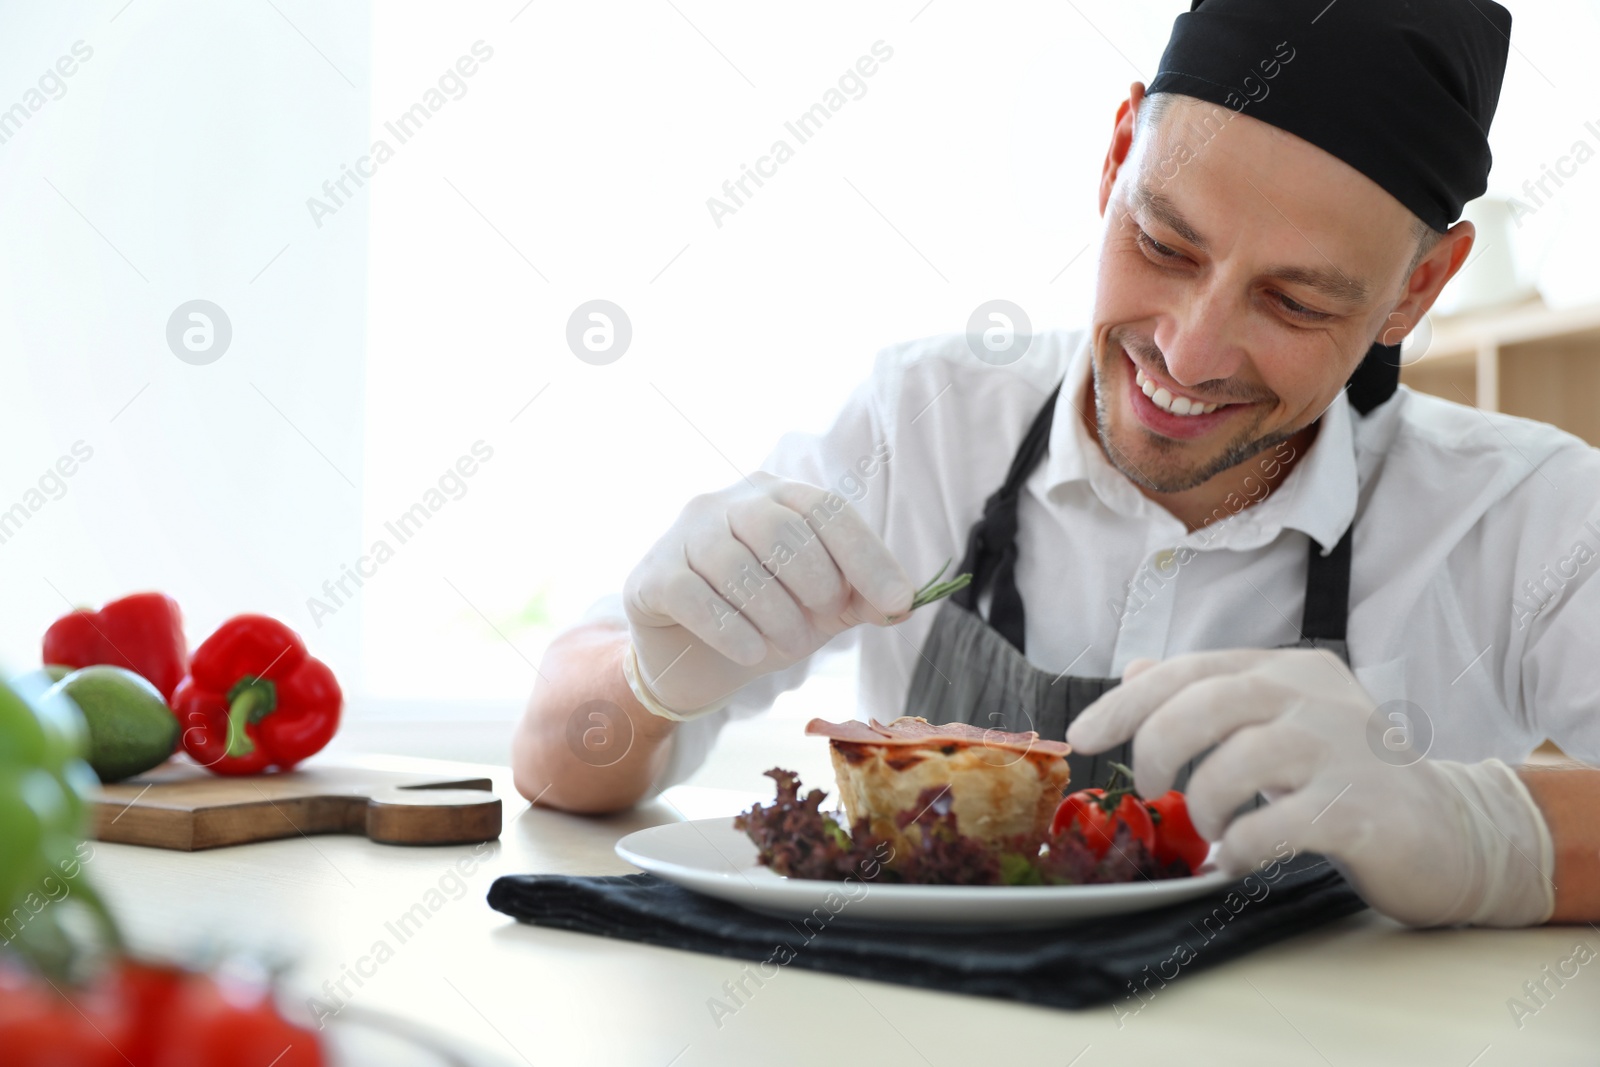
(131, 729)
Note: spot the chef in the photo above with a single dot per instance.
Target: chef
(1208, 532)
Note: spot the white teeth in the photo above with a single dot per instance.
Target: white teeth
(1176, 405)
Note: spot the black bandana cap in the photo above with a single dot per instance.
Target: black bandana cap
(1404, 91)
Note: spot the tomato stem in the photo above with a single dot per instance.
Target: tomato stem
(1108, 801)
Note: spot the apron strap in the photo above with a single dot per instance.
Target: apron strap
(1328, 591)
(992, 543)
(991, 554)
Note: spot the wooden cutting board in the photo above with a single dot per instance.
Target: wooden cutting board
(182, 806)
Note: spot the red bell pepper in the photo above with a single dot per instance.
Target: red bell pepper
(255, 699)
(143, 633)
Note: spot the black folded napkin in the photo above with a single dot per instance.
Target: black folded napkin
(1120, 957)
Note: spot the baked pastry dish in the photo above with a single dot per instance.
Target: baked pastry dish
(1000, 784)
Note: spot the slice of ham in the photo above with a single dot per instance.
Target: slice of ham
(909, 730)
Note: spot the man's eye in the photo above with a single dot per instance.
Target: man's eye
(1155, 248)
(1298, 310)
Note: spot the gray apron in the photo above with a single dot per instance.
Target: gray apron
(976, 671)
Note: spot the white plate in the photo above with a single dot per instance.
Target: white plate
(711, 857)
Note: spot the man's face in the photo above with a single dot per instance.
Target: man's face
(1241, 267)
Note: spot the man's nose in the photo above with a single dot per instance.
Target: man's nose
(1199, 339)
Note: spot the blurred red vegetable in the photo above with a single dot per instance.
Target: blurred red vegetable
(143, 633)
(146, 1015)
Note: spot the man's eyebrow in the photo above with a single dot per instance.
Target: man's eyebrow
(1167, 213)
(1332, 282)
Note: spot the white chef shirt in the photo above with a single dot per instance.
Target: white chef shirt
(1477, 539)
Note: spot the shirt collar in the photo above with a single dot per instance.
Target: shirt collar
(1318, 498)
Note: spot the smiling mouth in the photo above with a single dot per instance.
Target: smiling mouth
(1172, 403)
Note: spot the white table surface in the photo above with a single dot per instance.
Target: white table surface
(1360, 991)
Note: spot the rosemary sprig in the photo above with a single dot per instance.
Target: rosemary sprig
(935, 590)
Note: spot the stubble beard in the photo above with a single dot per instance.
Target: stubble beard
(1167, 473)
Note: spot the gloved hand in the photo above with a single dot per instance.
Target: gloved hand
(1428, 843)
(751, 579)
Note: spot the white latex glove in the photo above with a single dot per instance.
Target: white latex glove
(1429, 843)
(749, 580)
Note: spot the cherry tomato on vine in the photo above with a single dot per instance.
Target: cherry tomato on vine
(1176, 837)
(1097, 814)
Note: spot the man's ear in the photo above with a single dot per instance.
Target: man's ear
(1121, 142)
(1442, 263)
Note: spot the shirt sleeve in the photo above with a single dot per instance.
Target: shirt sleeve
(848, 458)
(1558, 600)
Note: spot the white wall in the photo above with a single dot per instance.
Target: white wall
(1549, 104)
(175, 166)
(592, 142)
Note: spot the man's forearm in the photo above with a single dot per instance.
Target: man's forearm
(584, 743)
(1569, 797)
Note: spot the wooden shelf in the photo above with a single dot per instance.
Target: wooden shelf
(1527, 360)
